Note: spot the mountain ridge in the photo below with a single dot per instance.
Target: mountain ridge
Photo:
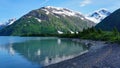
(98, 15)
(110, 22)
(7, 23)
(48, 20)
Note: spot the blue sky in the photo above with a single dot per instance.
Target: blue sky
(17, 8)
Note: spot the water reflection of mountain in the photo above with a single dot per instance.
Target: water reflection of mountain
(48, 51)
(8, 48)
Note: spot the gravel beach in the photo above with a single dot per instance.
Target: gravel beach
(100, 55)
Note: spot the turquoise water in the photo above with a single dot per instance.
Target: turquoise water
(34, 52)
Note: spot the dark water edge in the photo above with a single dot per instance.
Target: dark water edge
(100, 55)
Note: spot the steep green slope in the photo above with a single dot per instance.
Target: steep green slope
(39, 22)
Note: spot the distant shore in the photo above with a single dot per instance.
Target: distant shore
(100, 55)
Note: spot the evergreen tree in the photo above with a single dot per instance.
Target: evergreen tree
(100, 31)
(115, 31)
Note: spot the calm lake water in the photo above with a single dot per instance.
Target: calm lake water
(34, 52)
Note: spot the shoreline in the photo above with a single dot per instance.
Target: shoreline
(100, 55)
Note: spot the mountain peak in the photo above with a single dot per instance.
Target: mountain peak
(52, 7)
(111, 22)
(60, 11)
(7, 23)
(98, 15)
(101, 9)
(48, 20)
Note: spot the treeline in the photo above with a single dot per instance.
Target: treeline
(97, 34)
(90, 33)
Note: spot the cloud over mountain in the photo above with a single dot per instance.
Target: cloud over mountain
(85, 2)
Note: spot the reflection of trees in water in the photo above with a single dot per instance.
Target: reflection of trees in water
(48, 51)
(8, 48)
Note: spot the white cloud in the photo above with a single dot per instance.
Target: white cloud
(85, 2)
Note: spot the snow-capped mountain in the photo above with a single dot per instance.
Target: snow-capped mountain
(49, 20)
(1, 25)
(99, 15)
(57, 11)
(9, 22)
(111, 22)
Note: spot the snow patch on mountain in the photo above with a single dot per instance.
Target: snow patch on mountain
(98, 15)
(50, 7)
(1, 24)
(11, 21)
(7, 23)
(60, 32)
(47, 12)
(64, 13)
(72, 32)
(93, 19)
(82, 18)
(60, 11)
(39, 20)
